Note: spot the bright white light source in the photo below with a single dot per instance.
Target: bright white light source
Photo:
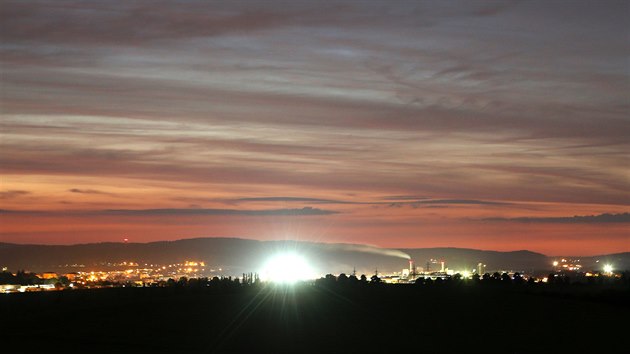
(466, 274)
(555, 263)
(608, 268)
(287, 268)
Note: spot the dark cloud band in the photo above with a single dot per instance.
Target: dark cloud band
(588, 219)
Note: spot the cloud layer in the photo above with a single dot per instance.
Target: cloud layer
(395, 115)
(588, 219)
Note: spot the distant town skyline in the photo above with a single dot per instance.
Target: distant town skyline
(476, 124)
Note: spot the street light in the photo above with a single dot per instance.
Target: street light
(608, 268)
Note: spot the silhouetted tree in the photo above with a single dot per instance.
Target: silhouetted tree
(342, 279)
(518, 278)
(375, 279)
(24, 278)
(476, 277)
(327, 281)
(64, 280)
(6, 278)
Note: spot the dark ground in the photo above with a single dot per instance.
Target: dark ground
(310, 319)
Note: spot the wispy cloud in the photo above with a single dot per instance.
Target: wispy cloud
(444, 202)
(306, 211)
(8, 194)
(460, 201)
(89, 191)
(291, 199)
(296, 200)
(404, 197)
(184, 212)
(577, 219)
(391, 201)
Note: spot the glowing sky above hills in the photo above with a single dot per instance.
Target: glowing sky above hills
(486, 125)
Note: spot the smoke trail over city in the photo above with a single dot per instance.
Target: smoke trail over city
(368, 249)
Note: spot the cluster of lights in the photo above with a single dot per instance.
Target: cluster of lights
(568, 264)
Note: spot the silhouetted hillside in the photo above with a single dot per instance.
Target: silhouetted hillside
(236, 256)
(463, 258)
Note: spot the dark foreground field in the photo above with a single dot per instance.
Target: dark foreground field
(309, 319)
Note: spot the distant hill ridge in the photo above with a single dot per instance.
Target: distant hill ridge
(238, 255)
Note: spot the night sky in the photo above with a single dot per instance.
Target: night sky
(489, 125)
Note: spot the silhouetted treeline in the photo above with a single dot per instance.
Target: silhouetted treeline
(336, 314)
(214, 282)
(487, 279)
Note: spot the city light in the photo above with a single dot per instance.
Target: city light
(287, 268)
(608, 268)
(555, 263)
